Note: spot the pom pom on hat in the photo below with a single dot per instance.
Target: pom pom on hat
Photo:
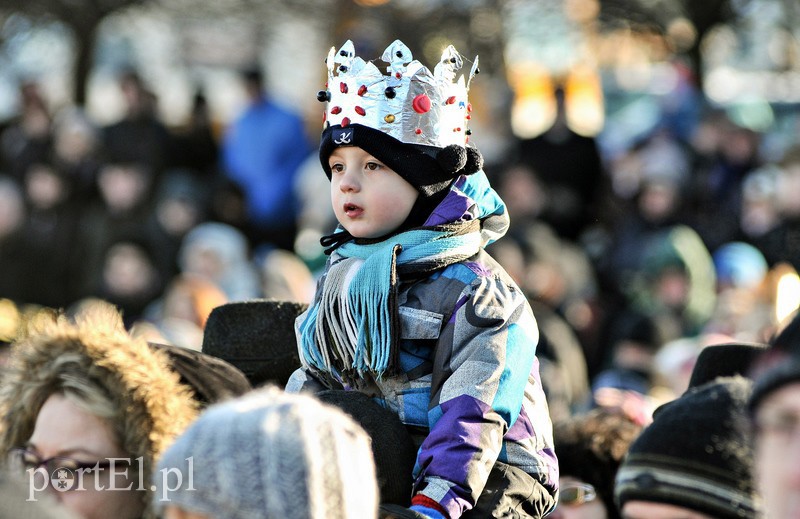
(474, 161)
(452, 158)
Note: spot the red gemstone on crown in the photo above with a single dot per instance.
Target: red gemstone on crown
(421, 104)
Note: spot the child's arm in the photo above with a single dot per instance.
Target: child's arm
(479, 386)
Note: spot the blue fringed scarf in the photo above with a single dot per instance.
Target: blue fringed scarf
(352, 328)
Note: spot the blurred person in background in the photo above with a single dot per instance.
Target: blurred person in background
(129, 277)
(122, 210)
(180, 205)
(716, 183)
(139, 136)
(76, 143)
(50, 231)
(12, 218)
(782, 243)
(180, 314)
(262, 151)
(221, 254)
(570, 170)
(194, 144)
(744, 310)
(629, 375)
(285, 277)
(26, 138)
(760, 211)
(590, 447)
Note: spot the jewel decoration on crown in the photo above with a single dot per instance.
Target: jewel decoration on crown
(410, 104)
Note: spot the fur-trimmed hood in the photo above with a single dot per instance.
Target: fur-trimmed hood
(154, 407)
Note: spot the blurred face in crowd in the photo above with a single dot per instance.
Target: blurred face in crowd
(128, 271)
(123, 186)
(44, 187)
(66, 430)
(652, 510)
(786, 193)
(658, 200)
(777, 445)
(369, 199)
(578, 500)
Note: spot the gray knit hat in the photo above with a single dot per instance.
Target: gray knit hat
(696, 454)
(270, 455)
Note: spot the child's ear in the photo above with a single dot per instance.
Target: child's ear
(452, 158)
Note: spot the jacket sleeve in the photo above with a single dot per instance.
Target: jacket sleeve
(482, 364)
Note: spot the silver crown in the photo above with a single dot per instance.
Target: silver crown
(411, 104)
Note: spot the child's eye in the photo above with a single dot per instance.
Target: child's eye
(372, 166)
(337, 168)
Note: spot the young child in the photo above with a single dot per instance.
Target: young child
(410, 309)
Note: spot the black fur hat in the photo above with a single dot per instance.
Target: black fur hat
(257, 337)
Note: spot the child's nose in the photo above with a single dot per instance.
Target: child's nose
(349, 182)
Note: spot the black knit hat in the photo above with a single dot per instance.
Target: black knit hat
(427, 168)
(696, 454)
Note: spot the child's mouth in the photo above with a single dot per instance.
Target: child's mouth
(352, 210)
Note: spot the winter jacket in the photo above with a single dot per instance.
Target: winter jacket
(469, 378)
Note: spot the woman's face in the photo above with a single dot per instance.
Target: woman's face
(65, 430)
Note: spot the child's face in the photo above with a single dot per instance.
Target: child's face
(369, 199)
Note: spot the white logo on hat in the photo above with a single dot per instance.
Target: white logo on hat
(344, 138)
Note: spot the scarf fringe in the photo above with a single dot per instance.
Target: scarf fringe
(353, 328)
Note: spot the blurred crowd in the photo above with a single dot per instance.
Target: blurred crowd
(166, 223)
(636, 265)
(634, 262)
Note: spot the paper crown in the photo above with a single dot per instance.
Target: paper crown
(410, 104)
